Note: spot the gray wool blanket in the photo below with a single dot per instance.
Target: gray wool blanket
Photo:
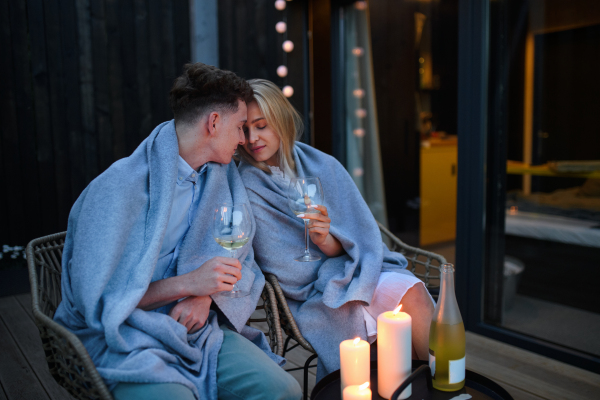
(325, 297)
(114, 237)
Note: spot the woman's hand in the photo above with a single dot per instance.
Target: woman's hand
(318, 230)
(192, 312)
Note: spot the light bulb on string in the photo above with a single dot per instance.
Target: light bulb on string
(288, 46)
(361, 113)
(360, 5)
(288, 91)
(358, 51)
(280, 5)
(281, 27)
(282, 71)
(358, 93)
(359, 132)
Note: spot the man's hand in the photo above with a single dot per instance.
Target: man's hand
(216, 275)
(192, 312)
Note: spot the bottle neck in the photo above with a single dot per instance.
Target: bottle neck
(446, 279)
(446, 309)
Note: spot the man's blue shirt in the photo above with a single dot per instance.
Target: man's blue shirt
(188, 191)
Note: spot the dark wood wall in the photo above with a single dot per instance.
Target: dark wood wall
(250, 46)
(396, 82)
(394, 69)
(82, 83)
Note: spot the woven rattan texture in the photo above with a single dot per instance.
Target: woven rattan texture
(68, 360)
(424, 264)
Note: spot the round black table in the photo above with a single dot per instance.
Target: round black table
(478, 386)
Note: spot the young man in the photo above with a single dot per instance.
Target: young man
(141, 268)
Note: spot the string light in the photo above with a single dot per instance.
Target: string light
(288, 46)
(288, 91)
(280, 5)
(281, 27)
(360, 5)
(358, 51)
(282, 71)
(359, 94)
(359, 132)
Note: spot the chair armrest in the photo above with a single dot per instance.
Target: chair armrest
(288, 323)
(272, 318)
(69, 362)
(417, 257)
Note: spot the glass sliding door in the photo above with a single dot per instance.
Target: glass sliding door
(533, 246)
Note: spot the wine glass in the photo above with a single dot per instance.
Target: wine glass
(231, 229)
(303, 195)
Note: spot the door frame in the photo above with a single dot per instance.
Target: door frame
(478, 224)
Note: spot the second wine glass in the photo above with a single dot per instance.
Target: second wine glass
(231, 230)
(303, 195)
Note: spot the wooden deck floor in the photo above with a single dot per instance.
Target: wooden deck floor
(526, 376)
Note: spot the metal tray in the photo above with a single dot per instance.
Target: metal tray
(478, 386)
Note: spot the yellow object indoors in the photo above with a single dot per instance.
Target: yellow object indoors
(438, 191)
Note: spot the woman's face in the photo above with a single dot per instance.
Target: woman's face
(262, 141)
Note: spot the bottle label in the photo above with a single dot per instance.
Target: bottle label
(456, 371)
(432, 363)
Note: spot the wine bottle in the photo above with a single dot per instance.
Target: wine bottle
(447, 337)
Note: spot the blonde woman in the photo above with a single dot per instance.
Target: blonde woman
(357, 278)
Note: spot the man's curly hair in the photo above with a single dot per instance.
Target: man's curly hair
(202, 88)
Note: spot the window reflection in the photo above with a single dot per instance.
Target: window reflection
(552, 223)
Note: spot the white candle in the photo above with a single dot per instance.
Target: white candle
(355, 392)
(394, 351)
(355, 362)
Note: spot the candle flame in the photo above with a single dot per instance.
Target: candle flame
(356, 341)
(364, 386)
(397, 310)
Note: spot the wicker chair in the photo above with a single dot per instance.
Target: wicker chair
(68, 360)
(424, 264)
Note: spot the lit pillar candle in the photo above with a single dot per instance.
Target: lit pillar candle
(355, 362)
(355, 392)
(394, 351)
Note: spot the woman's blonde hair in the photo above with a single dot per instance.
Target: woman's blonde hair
(283, 119)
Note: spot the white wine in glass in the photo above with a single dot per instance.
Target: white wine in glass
(303, 195)
(231, 229)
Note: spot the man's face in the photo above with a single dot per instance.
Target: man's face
(230, 133)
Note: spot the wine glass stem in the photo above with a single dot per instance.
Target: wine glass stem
(306, 236)
(233, 253)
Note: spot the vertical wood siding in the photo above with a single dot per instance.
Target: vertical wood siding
(82, 83)
(250, 46)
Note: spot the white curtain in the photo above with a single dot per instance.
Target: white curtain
(363, 157)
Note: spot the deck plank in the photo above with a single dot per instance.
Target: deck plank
(529, 372)
(25, 301)
(16, 375)
(518, 394)
(28, 341)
